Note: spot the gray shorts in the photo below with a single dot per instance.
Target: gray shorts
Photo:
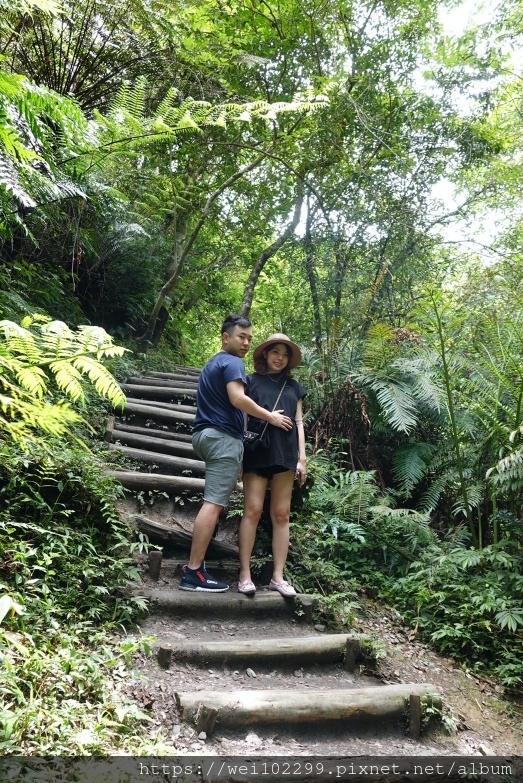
(222, 454)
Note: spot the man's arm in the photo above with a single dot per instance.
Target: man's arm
(238, 398)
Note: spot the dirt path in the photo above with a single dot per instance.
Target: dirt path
(480, 722)
(164, 481)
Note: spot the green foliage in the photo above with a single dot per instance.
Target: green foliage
(63, 697)
(32, 121)
(41, 363)
(127, 127)
(468, 603)
(65, 553)
(349, 528)
(65, 564)
(348, 540)
(63, 539)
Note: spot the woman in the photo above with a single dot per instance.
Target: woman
(278, 464)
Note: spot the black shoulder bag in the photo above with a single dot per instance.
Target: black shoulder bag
(252, 441)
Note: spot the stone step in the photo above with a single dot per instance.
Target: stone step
(381, 703)
(301, 650)
(220, 562)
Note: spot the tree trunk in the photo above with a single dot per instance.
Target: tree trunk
(181, 537)
(311, 277)
(184, 251)
(270, 251)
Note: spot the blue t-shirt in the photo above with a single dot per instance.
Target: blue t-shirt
(214, 409)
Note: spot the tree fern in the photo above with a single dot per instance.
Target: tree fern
(37, 129)
(128, 127)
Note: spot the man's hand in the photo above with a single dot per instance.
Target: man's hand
(278, 419)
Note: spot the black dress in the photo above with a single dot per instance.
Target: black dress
(283, 444)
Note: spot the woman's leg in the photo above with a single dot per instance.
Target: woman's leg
(281, 492)
(254, 488)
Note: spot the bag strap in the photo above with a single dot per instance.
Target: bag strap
(274, 407)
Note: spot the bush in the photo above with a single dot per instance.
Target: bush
(347, 538)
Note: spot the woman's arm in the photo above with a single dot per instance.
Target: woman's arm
(301, 467)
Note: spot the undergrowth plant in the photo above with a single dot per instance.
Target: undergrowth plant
(65, 553)
(349, 542)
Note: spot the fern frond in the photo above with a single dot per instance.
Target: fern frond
(396, 402)
(39, 357)
(410, 464)
(475, 495)
(101, 378)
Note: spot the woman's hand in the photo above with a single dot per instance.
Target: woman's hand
(301, 471)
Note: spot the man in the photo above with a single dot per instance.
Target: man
(218, 439)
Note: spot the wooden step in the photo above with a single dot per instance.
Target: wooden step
(302, 650)
(157, 412)
(151, 432)
(138, 480)
(247, 707)
(168, 406)
(163, 460)
(176, 601)
(184, 372)
(156, 392)
(182, 384)
(161, 445)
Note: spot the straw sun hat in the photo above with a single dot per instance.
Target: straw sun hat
(295, 357)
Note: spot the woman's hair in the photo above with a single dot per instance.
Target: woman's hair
(260, 364)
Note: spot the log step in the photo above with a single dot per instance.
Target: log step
(167, 406)
(159, 531)
(153, 433)
(160, 445)
(176, 601)
(137, 480)
(157, 392)
(325, 649)
(185, 372)
(242, 708)
(181, 384)
(157, 412)
(163, 460)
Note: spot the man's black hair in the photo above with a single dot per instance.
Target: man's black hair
(234, 320)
